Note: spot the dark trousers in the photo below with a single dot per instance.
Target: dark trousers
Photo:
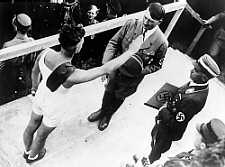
(118, 88)
(161, 141)
(110, 104)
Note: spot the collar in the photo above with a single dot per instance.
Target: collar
(194, 87)
(149, 32)
(21, 36)
(195, 84)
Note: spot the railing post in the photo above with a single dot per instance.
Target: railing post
(200, 32)
(195, 40)
(173, 22)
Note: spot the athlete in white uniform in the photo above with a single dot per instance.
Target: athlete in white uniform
(47, 104)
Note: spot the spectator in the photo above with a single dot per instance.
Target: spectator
(217, 47)
(71, 12)
(58, 75)
(147, 60)
(209, 149)
(209, 133)
(91, 57)
(90, 15)
(18, 70)
(113, 9)
(218, 44)
(173, 117)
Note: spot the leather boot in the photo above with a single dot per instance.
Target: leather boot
(95, 116)
(106, 105)
(104, 122)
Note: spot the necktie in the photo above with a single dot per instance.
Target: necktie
(144, 32)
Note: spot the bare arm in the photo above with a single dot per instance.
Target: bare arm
(80, 76)
(35, 75)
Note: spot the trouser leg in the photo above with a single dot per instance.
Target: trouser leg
(109, 107)
(106, 106)
(161, 142)
(110, 103)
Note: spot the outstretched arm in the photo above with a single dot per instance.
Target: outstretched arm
(80, 76)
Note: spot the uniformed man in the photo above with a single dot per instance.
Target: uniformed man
(173, 117)
(18, 70)
(147, 60)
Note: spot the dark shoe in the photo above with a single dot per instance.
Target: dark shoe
(25, 155)
(104, 122)
(95, 116)
(40, 156)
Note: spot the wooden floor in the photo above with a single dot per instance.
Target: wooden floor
(78, 143)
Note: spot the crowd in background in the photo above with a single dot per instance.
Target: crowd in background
(18, 70)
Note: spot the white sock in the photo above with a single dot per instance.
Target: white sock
(33, 158)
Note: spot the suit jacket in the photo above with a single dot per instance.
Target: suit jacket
(155, 45)
(187, 102)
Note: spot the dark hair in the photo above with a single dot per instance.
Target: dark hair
(91, 6)
(157, 11)
(70, 35)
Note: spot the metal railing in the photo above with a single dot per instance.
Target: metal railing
(36, 45)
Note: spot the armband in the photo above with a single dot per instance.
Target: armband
(59, 76)
(132, 67)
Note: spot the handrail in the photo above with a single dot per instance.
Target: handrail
(200, 31)
(36, 45)
(194, 14)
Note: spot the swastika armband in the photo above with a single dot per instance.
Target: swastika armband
(180, 117)
(59, 75)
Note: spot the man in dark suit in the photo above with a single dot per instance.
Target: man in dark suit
(149, 58)
(173, 117)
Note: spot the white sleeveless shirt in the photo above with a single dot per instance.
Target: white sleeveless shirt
(49, 102)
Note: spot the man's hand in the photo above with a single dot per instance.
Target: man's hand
(105, 79)
(207, 24)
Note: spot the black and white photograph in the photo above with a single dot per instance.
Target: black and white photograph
(112, 83)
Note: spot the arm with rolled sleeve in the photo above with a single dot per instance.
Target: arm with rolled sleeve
(114, 45)
(157, 62)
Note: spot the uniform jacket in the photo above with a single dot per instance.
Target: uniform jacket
(187, 102)
(120, 42)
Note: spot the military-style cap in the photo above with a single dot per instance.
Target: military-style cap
(208, 65)
(23, 19)
(212, 131)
